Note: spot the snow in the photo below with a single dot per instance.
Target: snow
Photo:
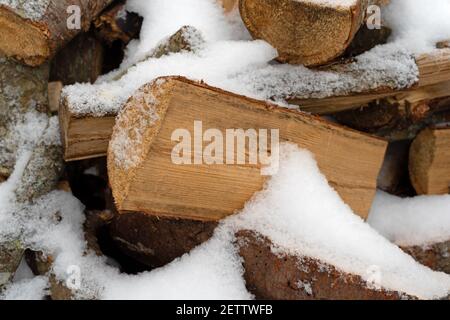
(298, 211)
(29, 289)
(418, 221)
(231, 61)
(29, 9)
(418, 26)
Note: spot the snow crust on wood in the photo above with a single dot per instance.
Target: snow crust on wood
(230, 61)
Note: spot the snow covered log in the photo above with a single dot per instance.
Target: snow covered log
(78, 62)
(157, 241)
(435, 256)
(290, 277)
(22, 89)
(117, 24)
(429, 162)
(11, 254)
(403, 116)
(433, 81)
(35, 30)
(151, 182)
(87, 136)
(305, 32)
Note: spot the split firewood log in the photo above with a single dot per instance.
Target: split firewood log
(305, 32)
(429, 161)
(86, 136)
(33, 31)
(291, 277)
(150, 182)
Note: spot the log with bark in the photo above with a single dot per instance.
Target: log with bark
(435, 256)
(33, 31)
(305, 32)
(28, 134)
(81, 60)
(145, 179)
(433, 81)
(429, 162)
(403, 116)
(86, 136)
(277, 276)
(157, 241)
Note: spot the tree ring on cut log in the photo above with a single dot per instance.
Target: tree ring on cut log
(22, 39)
(303, 32)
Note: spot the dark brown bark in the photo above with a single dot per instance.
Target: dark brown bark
(80, 61)
(34, 37)
(156, 241)
(394, 120)
(436, 256)
(271, 276)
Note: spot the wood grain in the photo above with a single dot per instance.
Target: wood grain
(351, 161)
(429, 162)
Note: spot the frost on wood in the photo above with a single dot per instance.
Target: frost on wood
(113, 90)
(380, 69)
(384, 68)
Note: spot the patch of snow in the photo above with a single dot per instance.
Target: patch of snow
(418, 221)
(28, 9)
(418, 26)
(28, 289)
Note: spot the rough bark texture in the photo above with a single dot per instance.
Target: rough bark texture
(156, 241)
(396, 120)
(436, 256)
(33, 36)
(11, 254)
(304, 32)
(80, 61)
(272, 276)
(21, 89)
(117, 24)
(24, 100)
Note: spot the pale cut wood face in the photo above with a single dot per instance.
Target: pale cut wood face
(429, 162)
(351, 161)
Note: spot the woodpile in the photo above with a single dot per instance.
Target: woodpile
(158, 175)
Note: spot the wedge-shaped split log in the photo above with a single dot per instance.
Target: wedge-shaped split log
(33, 31)
(429, 162)
(175, 151)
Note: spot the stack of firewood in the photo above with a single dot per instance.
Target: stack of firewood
(147, 210)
